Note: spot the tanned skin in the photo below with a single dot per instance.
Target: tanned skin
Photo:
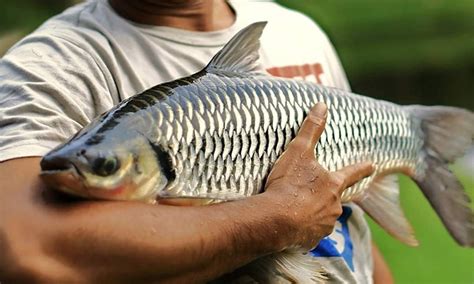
(192, 15)
(48, 238)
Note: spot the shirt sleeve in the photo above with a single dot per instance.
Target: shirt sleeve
(49, 89)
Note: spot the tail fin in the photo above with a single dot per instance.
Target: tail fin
(449, 132)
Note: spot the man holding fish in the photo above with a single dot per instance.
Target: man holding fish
(91, 57)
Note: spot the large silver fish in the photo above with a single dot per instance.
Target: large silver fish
(215, 135)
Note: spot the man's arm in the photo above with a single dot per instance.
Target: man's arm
(382, 273)
(50, 240)
(92, 241)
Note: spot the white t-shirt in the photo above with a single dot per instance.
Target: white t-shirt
(87, 59)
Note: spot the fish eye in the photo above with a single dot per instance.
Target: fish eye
(105, 166)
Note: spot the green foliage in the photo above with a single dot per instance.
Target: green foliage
(417, 51)
(26, 15)
(414, 34)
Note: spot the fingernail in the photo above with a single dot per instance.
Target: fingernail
(319, 110)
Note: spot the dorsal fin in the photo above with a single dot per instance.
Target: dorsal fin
(240, 54)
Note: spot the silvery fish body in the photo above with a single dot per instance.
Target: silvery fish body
(215, 136)
(223, 134)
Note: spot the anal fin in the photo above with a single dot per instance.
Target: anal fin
(290, 266)
(382, 202)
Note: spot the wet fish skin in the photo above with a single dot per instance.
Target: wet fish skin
(223, 134)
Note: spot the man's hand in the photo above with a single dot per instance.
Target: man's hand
(309, 195)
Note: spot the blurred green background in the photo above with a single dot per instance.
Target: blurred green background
(409, 52)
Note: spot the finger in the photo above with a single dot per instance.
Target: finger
(307, 137)
(312, 127)
(354, 173)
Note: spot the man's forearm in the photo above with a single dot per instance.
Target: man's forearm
(118, 241)
(382, 273)
(209, 241)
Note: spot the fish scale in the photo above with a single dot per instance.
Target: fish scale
(255, 117)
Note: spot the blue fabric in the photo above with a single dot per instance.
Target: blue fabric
(339, 243)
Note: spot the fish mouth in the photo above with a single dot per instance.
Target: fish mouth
(70, 180)
(66, 178)
(70, 168)
(54, 164)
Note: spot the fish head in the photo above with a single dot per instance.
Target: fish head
(121, 166)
